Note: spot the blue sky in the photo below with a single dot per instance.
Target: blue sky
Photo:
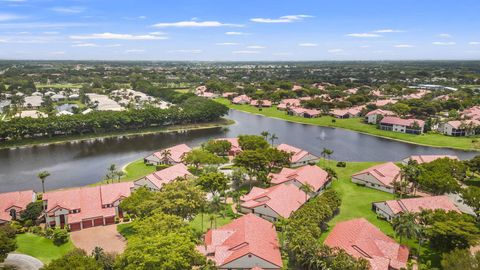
(215, 30)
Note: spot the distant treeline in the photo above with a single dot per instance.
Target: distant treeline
(191, 110)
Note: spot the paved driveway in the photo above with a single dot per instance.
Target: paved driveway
(22, 262)
(105, 237)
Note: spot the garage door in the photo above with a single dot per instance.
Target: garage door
(109, 220)
(98, 222)
(87, 224)
(75, 227)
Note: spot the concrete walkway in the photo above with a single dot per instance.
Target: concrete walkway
(23, 262)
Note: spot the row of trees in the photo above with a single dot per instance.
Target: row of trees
(303, 229)
(192, 110)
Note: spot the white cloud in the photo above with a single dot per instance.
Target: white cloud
(444, 35)
(85, 45)
(308, 44)
(226, 44)
(186, 51)
(195, 24)
(245, 52)
(403, 46)
(388, 31)
(256, 47)
(442, 43)
(236, 34)
(335, 50)
(68, 10)
(474, 43)
(118, 36)
(9, 17)
(134, 51)
(283, 19)
(363, 35)
(3, 41)
(158, 33)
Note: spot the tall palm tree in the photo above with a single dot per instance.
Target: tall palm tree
(405, 225)
(273, 138)
(326, 153)
(43, 175)
(331, 174)
(307, 189)
(410, 173)
(281, 225)
(265, 135)
(215, 206)
(166, 154)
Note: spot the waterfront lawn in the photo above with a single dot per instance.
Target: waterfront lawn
(356, 124)
(41, 247)
(137, 169)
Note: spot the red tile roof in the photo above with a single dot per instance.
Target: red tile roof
(16, 199)
(362, 239)
(298, 153)
(415, 205)
(88, 199)
(292, 102)
(386, 173)
(311, 174)
(429, 158)
(392, 120)
(283, 199)
(242, 98)
(458, 124)
(381, 112)
(384, 102)
(243, 236)
(176, 152)
(169, 174)
(265, 103)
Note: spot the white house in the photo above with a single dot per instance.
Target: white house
(381, 177)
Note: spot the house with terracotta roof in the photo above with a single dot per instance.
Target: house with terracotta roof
(361, 239)
(381, 177)
(156, 180)
(85, 207)
(391, 209)
(273, 203)
(170, 156)
(384, 102)
(235, 148)
(228, 94)
(302, 112)
(310, 174)
(299, 156)
(263, 103)
(288, 103)
(373, 117)
(427, 158)
(248, 242)
(346, 113)
(13, 203)
(396, 124)
(458, 128)
(242, 99)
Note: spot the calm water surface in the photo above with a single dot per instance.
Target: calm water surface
(82, 163)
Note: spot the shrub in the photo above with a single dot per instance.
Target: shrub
(36, 230)
(341, 164)
(60, 236)
(334, 120)
(28, 223)
(160, 167)
(48, 232)
(126, 218)
(117, 220)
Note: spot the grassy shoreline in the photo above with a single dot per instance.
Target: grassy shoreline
(356, 124)
(64, 139)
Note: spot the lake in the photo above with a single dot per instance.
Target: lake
(82, 163)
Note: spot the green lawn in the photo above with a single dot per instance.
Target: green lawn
(356, 124)
(125, 229)
(138, 169)
(196, 223)
(41, 247)
(357, 200)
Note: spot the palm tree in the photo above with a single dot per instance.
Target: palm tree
(326, 153)
(308, 189)
(331, 174)
(273, 138)
(43, 175)
(265, 135)
(281, 224)
(215, 205)
(166, 154)
(410, 173)
(405, 225)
